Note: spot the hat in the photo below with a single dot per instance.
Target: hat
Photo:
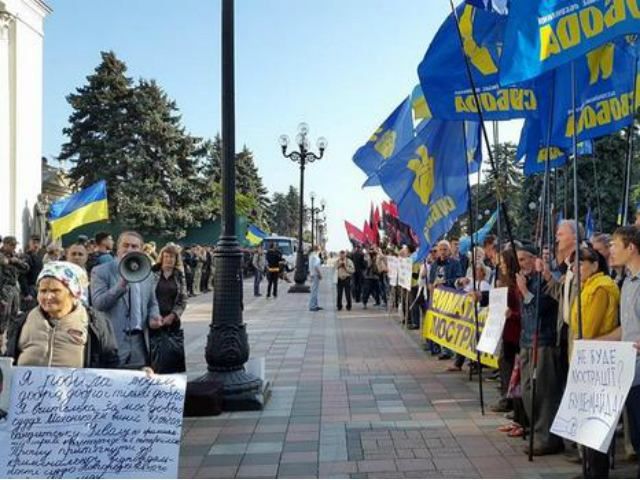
(529, 248)
(83, 238)
(69, 274)
(10, 240)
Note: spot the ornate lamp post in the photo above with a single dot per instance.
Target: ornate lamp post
(302, 156)
(315, 211)
(227, 348)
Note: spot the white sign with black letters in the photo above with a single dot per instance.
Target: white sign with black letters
(405, 266)
(600, 376)
(392, 265)
(72, 423)
(491, 336)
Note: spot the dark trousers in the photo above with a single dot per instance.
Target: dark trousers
(204, 281)
(633, 413)
(189, 280)
(344, 286)
(548, 393)
(370, 287)
(382, 285)
(272, 279)
(597, 463)
(356, 286)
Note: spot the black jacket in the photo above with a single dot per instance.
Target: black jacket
(101, 350)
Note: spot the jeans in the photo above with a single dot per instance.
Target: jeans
(315, 286)
(370, 287)
(257, 278)
(344, 286)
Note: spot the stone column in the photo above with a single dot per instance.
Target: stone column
(7, 217)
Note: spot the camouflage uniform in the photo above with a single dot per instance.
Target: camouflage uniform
(11, 267)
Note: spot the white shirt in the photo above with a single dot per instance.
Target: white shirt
(314, 264)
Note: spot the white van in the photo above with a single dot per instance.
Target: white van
(288, 246)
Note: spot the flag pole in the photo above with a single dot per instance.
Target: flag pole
(496, 141)
(595, 181)
(476, 98)
(473, 269)
(630, 145)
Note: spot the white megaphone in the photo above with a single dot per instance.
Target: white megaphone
(135, 267)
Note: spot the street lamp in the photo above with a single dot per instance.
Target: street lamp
(315, 211)
(302, 156)
(227, 348)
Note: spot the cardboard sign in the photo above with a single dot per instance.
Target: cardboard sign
(404, 272)
(600, 376)
(392, 265)
(491, 337)
(85, 423)
(450, 322)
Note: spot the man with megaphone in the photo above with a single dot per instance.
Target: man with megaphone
(125, 292)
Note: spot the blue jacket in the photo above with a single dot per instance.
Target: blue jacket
(109, 297)
(548, 313)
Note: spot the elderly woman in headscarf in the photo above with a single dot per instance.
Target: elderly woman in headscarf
(61, 331)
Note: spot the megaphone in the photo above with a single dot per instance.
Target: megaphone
(135, 267)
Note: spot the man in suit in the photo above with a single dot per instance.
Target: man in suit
(132, 308)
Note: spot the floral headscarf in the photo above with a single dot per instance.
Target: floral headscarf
(69, 274)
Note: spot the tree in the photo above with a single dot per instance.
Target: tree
(132, 137)
(284, 213)
(99, 139)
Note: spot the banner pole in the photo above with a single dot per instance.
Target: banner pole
(630, 145)
(499, 195)
(473, 272)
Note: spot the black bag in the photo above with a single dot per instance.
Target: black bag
(166, 347)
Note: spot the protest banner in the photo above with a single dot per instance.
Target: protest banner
(404, 272)
(491, 336)
(450, 322)
(392, 265)
(600, 376)
(85, 423)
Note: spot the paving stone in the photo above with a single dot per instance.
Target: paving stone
(261, 459)
(376, 466)
(217, 472)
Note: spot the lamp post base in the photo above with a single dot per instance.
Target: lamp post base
(299, 288)
(234, 391)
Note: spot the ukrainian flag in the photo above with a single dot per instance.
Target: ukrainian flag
(87, 206)
(255, 235)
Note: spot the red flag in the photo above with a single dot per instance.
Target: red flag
(355, 234)
(368, 233)
(376, 216)
(389, 208)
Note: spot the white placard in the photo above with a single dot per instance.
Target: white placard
(392, 265)
(600, 377)
(86, 423)
(404, 272)
(494, 325)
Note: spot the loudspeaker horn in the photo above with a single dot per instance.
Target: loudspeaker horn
(135, 267)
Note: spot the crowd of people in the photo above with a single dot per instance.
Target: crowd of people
(542, 319)
(73, 308)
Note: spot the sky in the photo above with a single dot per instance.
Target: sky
(341, 66)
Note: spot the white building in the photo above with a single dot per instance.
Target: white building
(21, 49)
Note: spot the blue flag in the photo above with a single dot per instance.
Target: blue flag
(478, 236)
(543, 35)
(604, 86)
(443, 72)
(388, 140)
(533, 149)
(428, 181)
(498, 6)
(589, 225)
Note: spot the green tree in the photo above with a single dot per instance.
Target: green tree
(99, 140)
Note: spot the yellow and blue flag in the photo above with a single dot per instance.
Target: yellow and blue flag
(428, 181)
(394, 133)
(86, 206)
(255, 235)
(543, 35)
(443, 71)
(605, 82)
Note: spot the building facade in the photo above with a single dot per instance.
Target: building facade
(21, 87)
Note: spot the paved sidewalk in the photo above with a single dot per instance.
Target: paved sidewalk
(353, 396)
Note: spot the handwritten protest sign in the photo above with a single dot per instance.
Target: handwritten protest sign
(450, 322)
(494, 325)
(404, 272)
(392, 265)
(600, 376)
(71, 423)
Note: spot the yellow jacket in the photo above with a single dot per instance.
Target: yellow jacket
(600, 298)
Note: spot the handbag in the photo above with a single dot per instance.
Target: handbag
(166, 349)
